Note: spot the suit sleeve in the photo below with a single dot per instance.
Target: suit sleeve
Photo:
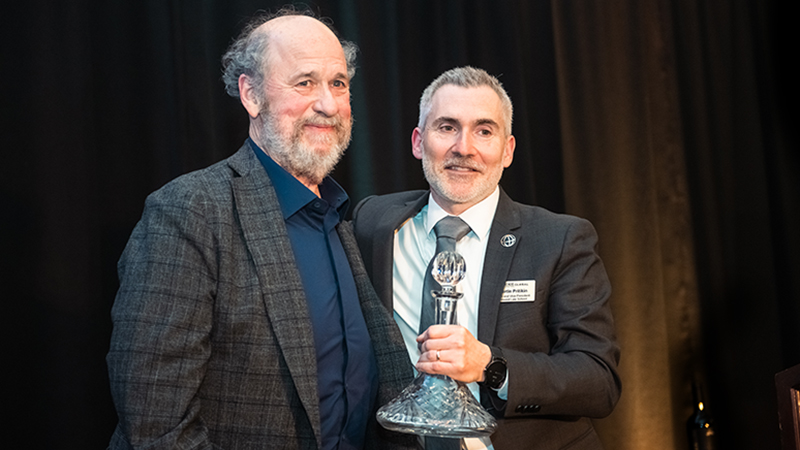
(162, 319)
(577, 375)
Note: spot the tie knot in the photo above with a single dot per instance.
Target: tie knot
(451, 227)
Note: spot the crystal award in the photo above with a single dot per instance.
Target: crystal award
(437, 405)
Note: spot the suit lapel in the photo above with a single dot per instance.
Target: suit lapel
(496, 266)
(383, 245)
(282, 290)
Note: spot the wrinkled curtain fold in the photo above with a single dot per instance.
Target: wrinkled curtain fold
(624, 169)
(673, 147)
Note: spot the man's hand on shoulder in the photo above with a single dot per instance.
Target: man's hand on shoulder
(453, 351)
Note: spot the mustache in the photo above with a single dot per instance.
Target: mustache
(463, 161)
(318, 121)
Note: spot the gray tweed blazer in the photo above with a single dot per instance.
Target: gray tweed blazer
(212, 344)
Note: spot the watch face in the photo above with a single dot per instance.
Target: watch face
(495, 374)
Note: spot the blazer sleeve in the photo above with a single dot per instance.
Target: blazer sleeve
(162, 319)
(574, 373)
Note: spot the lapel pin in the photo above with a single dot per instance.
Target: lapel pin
(508, 240)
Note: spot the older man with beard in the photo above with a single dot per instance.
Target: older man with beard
(535, 336)
(244, 317)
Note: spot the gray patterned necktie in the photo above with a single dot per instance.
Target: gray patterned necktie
(449, 230)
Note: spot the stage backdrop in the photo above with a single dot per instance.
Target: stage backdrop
(664, 122)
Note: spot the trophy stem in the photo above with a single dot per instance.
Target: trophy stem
(446, 308)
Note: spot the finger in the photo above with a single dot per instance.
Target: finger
(430, 356)
(432, 367)
(438, 331)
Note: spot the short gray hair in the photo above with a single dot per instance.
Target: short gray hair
(247, 54)
(467, 77)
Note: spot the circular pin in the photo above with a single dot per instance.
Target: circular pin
(508, 240)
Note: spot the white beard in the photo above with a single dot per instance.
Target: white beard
(299, 159)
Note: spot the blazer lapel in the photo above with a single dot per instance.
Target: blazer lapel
(496, 266)
(282, 290)
(394, 367)
(383, 245)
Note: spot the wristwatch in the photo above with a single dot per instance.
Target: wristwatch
(494, 374)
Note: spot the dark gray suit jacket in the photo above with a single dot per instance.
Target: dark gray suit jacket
(561, 349)
(212, 344)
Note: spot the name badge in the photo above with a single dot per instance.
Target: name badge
(519, 291)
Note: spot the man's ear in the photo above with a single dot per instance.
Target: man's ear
(416, 143)
(249, 96)
(508, 151)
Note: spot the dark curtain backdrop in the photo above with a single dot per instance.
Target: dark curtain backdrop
(665, 122)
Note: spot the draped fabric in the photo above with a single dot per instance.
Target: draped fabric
(664, 122)
(663, 107)
(624, 167)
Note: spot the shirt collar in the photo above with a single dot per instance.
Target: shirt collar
(294, 195)
(479, 217)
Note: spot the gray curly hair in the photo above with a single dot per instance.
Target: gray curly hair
(246, 55)
(466, 77)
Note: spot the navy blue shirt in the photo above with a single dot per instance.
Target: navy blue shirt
(346, 367)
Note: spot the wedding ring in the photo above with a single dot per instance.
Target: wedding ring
(438, 357)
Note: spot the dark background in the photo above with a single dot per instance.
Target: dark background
(104, 102)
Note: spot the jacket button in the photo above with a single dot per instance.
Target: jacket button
(519, 409)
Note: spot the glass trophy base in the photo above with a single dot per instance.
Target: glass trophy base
(437, 405)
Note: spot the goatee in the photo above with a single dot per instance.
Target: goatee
(457, 192)
(303, 160)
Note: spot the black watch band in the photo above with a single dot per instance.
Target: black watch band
(494, 374)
